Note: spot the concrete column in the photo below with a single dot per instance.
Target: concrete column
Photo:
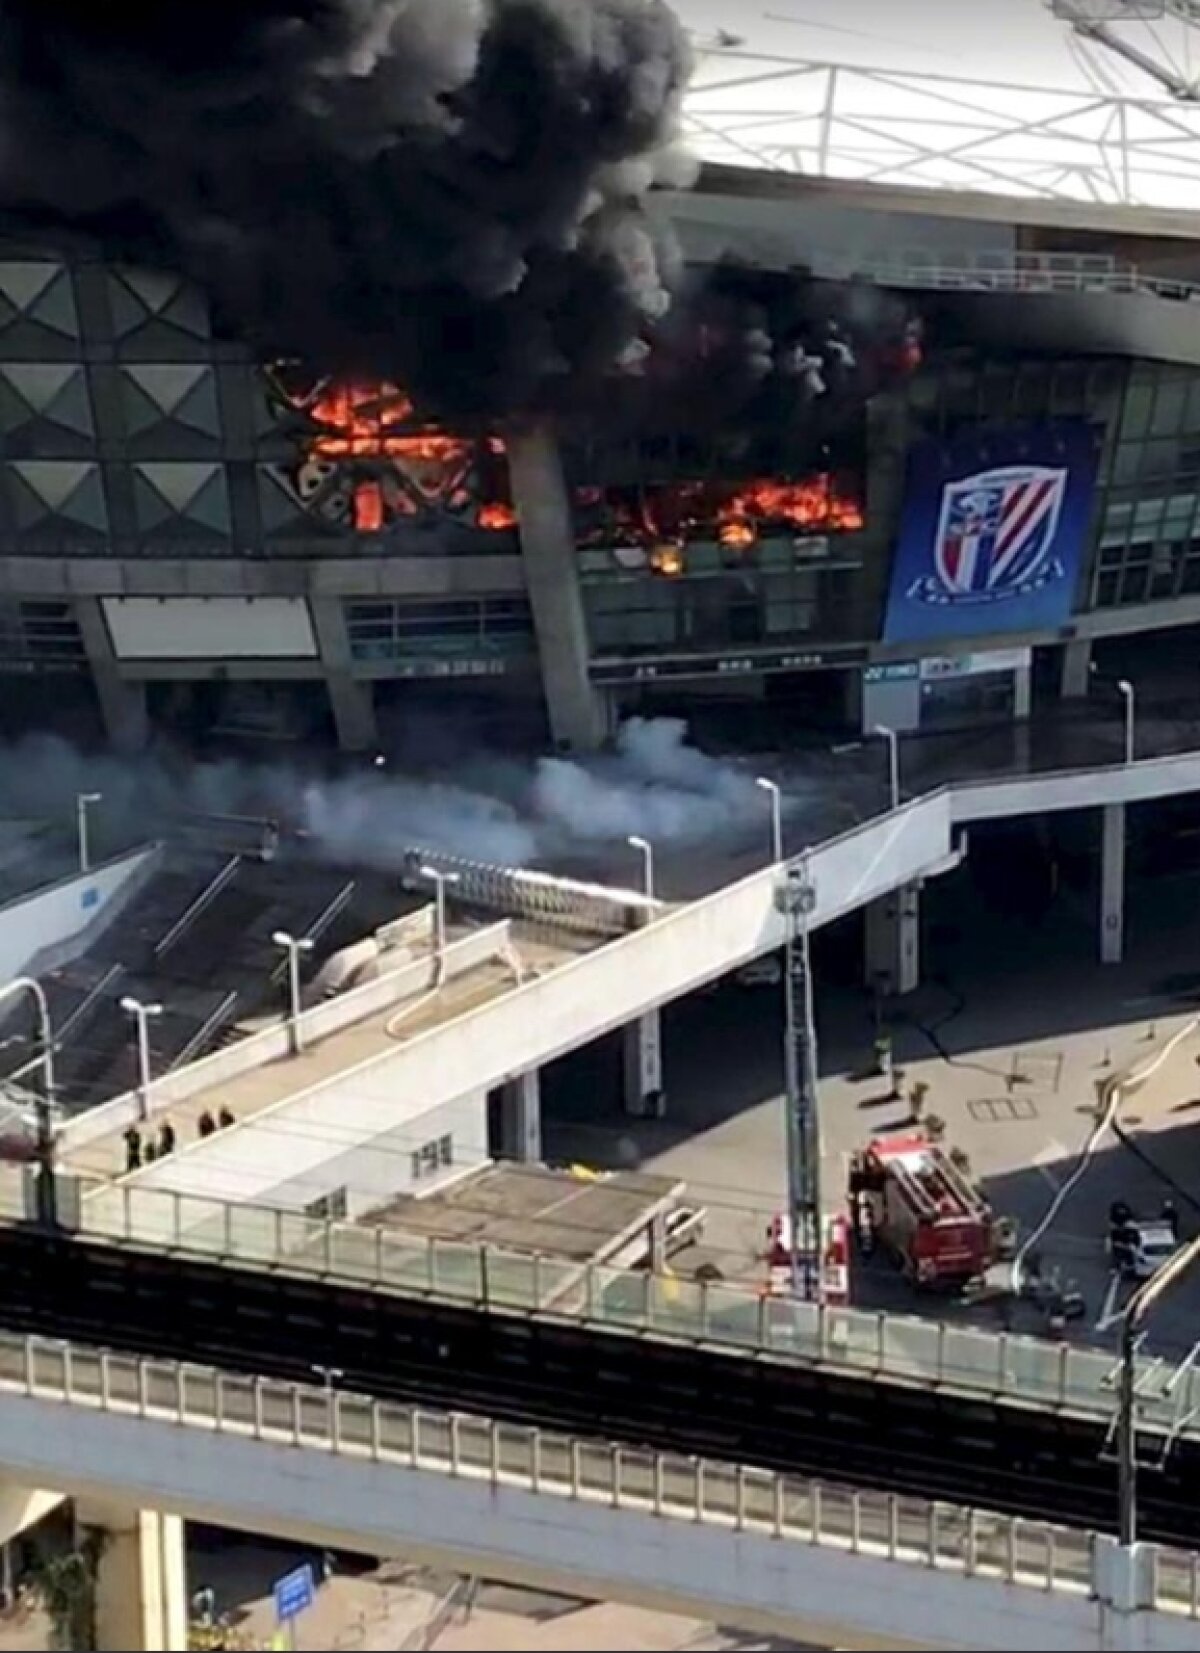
(352, 700)
(122, 704)
(893, 941)
(539, 491)
(643, 1069)
(852, 698)
(1022, 707)
(141, 1580)
(353, 705)
(521, 1118)
(1112, 885)
(1076, 668)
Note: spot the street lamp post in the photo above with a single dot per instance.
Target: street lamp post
(46, 1193)
(439, 880)
(82, 800)
(646, 849)
(141, 1014)
(294, 946)
(1130, 699)
(893, 743)
(1140, 1304)
(771, 788)
(796, 897)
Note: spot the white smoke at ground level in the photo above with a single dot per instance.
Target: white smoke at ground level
(485, 807)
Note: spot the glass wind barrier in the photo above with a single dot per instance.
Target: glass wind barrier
(619, 1299)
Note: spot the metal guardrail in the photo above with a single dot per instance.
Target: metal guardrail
(190, 914)
(538, 897)
(1015, 277)
(871, 1343)
(977, 1544)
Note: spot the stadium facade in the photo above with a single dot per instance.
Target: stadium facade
(188, 534)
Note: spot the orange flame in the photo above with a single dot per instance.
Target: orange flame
(816, 503)
(368, 507)
(360, 421)
(736, 534)
(667, 560)
(669, 515)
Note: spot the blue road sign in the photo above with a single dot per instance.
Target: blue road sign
(294, 1593)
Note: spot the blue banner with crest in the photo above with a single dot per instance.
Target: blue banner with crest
(992, 534)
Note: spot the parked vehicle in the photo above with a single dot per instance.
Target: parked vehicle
(907, 1194)
(1139, 1246)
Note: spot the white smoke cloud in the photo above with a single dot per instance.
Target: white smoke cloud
(487, 808)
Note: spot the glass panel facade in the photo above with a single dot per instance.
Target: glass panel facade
(449, 628)
(1148, 533)
(654, 613)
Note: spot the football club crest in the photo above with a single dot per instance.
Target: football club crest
(993, 532)
(995, 536)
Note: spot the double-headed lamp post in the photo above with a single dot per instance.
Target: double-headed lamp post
(141, 1014)
(771, 788)
(293, 946)
(646, 849)
(47, 1203)
(82, 801)
(1130, 698)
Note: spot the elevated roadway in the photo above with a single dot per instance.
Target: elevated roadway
(837, 1411)
(730, 1542)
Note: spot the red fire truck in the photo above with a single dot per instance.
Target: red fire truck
(907, 1193)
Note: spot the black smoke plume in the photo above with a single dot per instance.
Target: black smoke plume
(443, 192)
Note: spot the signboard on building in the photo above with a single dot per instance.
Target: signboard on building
(992, 533)
(667, 667)
(937, 667)
(892, 671)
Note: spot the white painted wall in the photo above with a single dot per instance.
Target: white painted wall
(375, 1171)
(52, 925)
(811, 1592)
(210, 628)
(1077, 789)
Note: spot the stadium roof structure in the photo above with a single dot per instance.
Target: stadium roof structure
(1076, 100)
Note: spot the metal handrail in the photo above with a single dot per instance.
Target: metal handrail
(205, 1032)
(109, 979)
(968, 277)
(899, 1348)
(319, 925)
(976, 1544)
(190, 914)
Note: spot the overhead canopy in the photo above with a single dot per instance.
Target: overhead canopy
(995, 96)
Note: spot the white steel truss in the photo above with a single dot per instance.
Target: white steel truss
(888, 126)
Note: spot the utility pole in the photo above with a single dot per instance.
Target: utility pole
(796, 899)
(1136, 1312)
